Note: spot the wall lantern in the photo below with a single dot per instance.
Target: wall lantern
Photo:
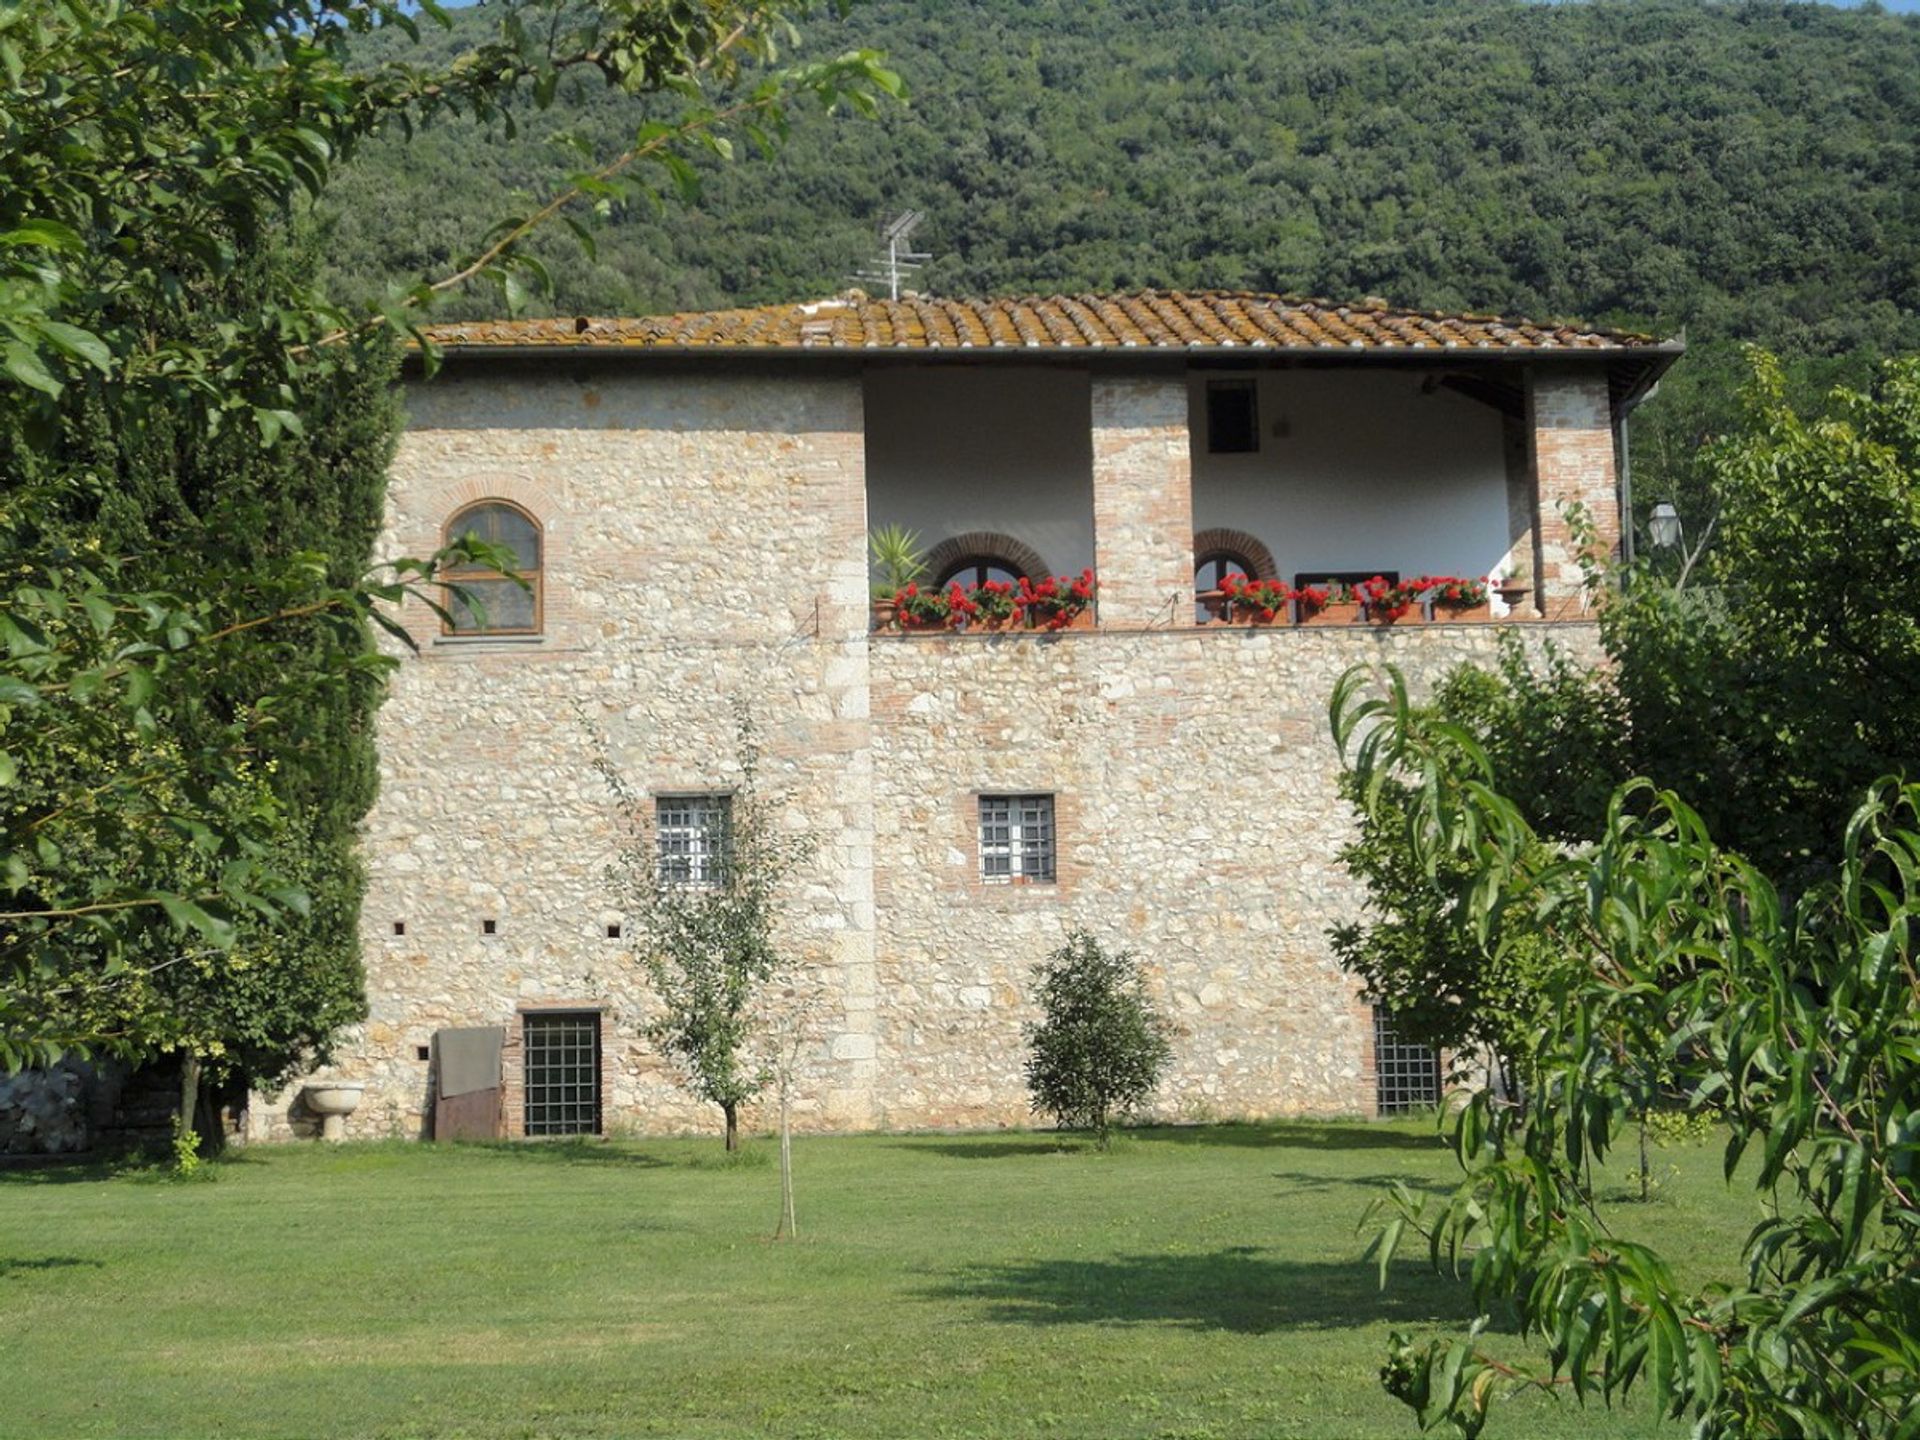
(1663, 526)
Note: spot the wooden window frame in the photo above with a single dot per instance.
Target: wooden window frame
(535, 577)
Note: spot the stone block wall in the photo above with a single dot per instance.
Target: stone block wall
(1198, 820)
(705, 543)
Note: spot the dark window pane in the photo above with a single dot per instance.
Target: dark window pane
(1208, 574)
(977, 571)
(1233, 428)
(518, 534)
(505, 604)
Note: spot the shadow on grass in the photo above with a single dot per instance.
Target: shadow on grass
(135, 1165)
(1237, 1289)
(1291, 1134)
(47, 1262)
(1008, 1147)
(1295, 1135)
(1306, 1180)
(564, 1152)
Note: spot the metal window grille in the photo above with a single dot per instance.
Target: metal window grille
(1016, 839)
(1406, 1073)
(563, 1074)
(692, 832)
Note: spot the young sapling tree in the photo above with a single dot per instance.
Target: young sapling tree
(1100, 1046)
(705, 929)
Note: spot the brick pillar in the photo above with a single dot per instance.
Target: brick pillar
(1571, 442)
(1143, 501)
(842, 748)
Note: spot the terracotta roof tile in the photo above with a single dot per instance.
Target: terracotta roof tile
(1150, 319)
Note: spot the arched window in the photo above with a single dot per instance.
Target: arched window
(977, 570)
(970, 560)
(493, 604)
(1219, 553)
(1210, 569)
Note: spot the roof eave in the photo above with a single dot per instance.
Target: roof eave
(1666, 351)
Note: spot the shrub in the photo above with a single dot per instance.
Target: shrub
(1099, 1050)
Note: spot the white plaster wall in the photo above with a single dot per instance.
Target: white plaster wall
(1369, 474)
(951, 450)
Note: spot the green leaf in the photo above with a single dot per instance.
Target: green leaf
(47, 234)
(186, 915)
(79, 344)
(25, 366)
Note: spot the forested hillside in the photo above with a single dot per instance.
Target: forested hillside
(1744, 171)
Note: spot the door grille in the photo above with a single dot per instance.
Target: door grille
(563, 1074)
(1406, 1073)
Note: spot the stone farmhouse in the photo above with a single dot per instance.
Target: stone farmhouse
(691, 497)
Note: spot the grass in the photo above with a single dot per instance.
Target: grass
(1192, 1283)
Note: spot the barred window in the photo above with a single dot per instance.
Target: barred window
(1406, 1073)
(692, 831)
(1016, 839)
(562, 1058)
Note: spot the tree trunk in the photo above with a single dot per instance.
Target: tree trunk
(189, 1105)
(1645, 1184)
(788, 1228)
(732, 1113)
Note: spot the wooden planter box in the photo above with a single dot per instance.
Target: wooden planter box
(1480, 614)
(1335, 612)
(1012, 625)
(1412, 615)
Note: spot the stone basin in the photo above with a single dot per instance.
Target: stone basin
(333, 1101)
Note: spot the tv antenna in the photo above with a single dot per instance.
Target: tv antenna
(898, 260)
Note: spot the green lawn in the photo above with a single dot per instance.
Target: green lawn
(1193, 1283)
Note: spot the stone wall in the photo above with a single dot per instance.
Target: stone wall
(704, 543)
(1194, 776)
(45, 1111)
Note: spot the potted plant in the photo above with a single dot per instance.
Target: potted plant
(1457, 600)
(895, 551)
(1337, 605)
(1390, 603)
(1255, 602)
(1514, 588)
(1058, 602)
(915, 609)
(990, 606)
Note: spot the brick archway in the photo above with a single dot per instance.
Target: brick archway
(1014, 555)
(1237, 543)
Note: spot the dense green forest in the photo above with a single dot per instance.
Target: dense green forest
(1740, 171)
